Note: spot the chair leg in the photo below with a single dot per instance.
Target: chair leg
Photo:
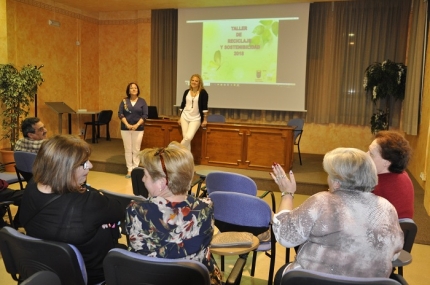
(300, 156)
(222, 263)
(98, 131)
(254, 259)
(6, 206)
(10, 217)
(400, 270)
(287, 255)
(107, 132)
(85, 132)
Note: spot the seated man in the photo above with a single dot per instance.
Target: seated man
(34, 132)
(7, 194)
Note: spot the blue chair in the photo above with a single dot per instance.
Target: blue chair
(139, 188)
(125, 200)
(230, 181)
(409, 229)
(245, 213)
(298, 131)
(235, 182)
(310, 277)
(215, 118)
(124, 267)
(24, 256)
(42, 278)
(24, 166)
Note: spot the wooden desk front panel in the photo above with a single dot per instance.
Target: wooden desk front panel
(223, 147)
(247, 146)
(265, 146)
(159, 133)
(229, 145)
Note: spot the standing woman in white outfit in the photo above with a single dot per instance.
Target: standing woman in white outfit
(133, 111)
(194, 110)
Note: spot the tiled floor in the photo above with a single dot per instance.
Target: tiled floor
(415, 273)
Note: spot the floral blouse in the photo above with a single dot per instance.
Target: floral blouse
(160, 228)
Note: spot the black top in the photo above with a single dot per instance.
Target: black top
(202, 102)
(74, 218)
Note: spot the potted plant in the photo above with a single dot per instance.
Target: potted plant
(384, 81)
(18, 89)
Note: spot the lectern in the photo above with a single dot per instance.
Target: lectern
(61, 108)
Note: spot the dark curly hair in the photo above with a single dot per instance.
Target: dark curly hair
(394, 148)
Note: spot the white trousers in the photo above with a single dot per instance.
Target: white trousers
(189, 129)
(132, 141)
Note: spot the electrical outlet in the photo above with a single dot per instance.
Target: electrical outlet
(423, 176)
(82, 132)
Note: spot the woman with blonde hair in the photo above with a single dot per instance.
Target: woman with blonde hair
(171, 223)
(194, 109)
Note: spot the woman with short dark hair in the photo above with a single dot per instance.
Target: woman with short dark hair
(391, 153)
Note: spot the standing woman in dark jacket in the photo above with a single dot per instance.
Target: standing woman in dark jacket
(133, 111)
(194, 109)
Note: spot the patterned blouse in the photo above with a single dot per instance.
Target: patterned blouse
(349, 233)
(160, 228)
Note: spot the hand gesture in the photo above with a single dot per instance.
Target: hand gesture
(280, 178)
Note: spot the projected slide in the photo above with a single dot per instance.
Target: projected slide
(250, 57)
(240, 51)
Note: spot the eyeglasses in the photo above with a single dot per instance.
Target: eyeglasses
(85, 165)
(159, 153)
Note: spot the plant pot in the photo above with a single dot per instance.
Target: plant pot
(7, 158)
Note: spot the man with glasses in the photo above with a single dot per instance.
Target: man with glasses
(34, 132)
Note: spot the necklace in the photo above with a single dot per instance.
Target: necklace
(193, 95)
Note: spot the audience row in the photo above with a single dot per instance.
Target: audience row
(332, 227)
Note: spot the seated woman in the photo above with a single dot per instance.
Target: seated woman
(391, 153)
(171, 223)
(345, 231)
(57, 204)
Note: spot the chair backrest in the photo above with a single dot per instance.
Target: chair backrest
(42, 278)
(240, 212)
(23, 256)
(124, 199)
(409, 229)
(139, 188)
(298, 131)
(152, 112)
(230, 181)
(24, 164)
(305, 277)
(104, 117)
(216, 118)
(125, 267)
